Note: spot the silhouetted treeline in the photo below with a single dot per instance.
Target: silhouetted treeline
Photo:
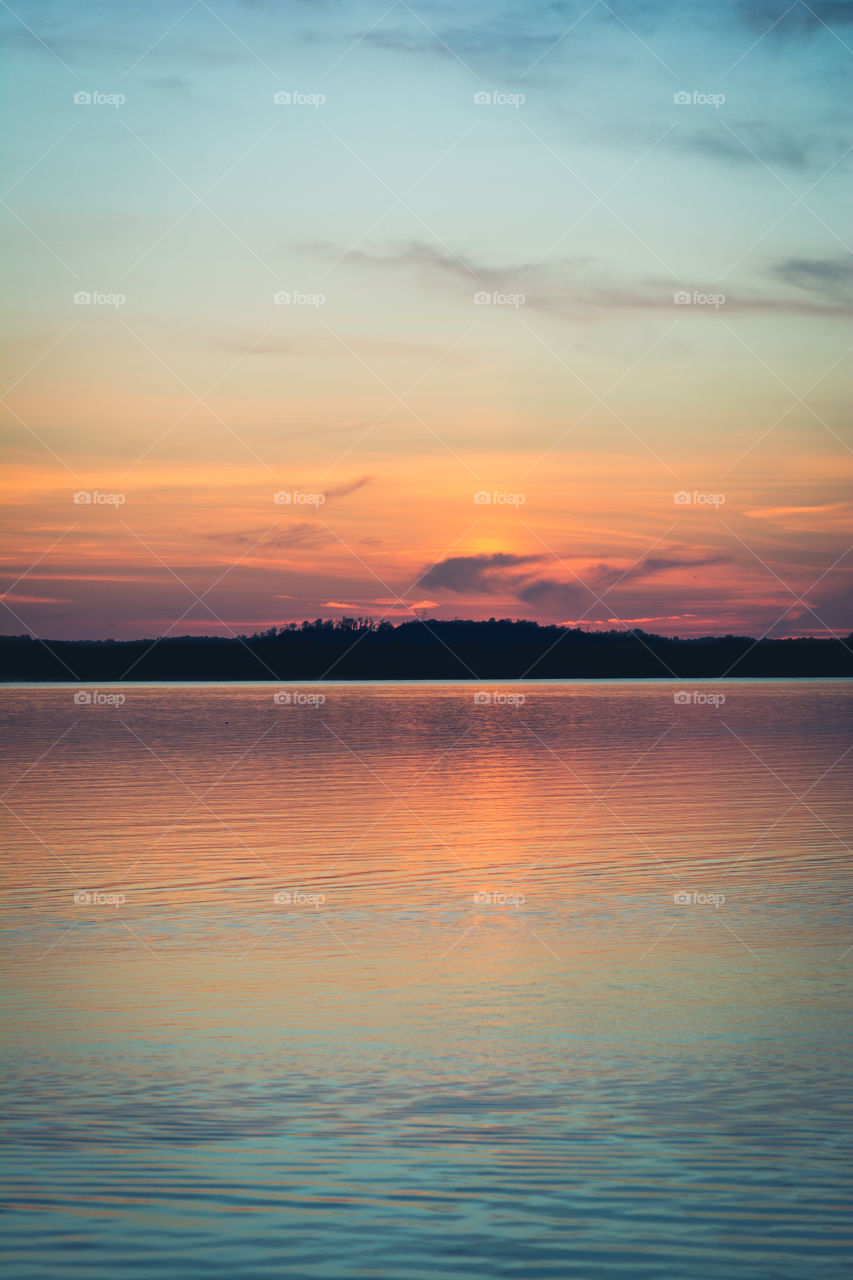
(360, 649)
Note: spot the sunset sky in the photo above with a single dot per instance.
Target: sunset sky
(581, 400)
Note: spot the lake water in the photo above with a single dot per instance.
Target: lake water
(418, 983)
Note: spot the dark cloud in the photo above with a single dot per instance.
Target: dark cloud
(570, 288)
(786, 18)
(832, 277)
(341, 490)
(756, 144)
(503, 573)
(305, 535)
(484, 575)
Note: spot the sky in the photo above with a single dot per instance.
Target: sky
(526, 310)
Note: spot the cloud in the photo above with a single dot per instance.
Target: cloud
(570, 287)
(483, 574)
(341, 490)
(832, 277)
(306, 535)
(503, 573)
(756, 144)
(790, 19)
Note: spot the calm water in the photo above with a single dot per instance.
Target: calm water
(404, 985)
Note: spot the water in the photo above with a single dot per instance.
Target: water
(476, 1035)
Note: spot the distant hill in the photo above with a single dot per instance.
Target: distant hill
(360, 649)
